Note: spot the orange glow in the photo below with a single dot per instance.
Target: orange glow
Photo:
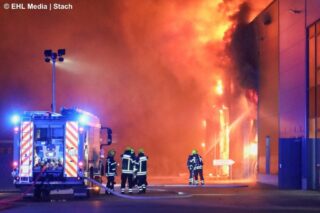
(224, 139)
(251, 150)
(154, 67)
(253, 147)
(210, 26)
(219, 88)
(204, 123)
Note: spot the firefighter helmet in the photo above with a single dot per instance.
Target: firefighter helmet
(111, 152)
(194, 152)
(141, 150)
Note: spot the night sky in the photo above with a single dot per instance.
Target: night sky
(145, 67)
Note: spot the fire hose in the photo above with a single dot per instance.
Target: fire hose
(178, 195)
(5, 203)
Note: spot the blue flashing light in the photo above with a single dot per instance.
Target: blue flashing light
(83, 120)
(15, 119)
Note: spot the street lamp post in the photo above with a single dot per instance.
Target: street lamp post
(53, 56)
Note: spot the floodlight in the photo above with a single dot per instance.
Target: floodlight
(47, 53)
(61, 52)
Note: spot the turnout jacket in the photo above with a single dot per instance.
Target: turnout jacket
(196, 160)
(190, 163)
(141, 162)
(111, 166)
(128, 162)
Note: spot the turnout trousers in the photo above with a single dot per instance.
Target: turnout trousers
(142, 183)
(124, 178)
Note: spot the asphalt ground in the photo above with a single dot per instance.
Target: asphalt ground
(177, 198)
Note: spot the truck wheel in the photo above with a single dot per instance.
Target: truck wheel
(87, 193)
(37, 194)
(45, 195)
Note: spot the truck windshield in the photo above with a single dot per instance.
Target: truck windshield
(48, 147)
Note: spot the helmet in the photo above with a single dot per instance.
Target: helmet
(194, 152)
(128, 148)
(111, 152)
(141, 150)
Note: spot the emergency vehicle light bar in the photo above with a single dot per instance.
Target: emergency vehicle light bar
(15, 119)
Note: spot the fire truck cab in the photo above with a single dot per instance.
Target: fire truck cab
(53, 151)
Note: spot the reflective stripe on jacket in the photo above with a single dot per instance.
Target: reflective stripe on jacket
(142, 164)
(111, 166)
(127, 163)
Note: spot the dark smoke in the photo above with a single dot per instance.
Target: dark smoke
(243, 49)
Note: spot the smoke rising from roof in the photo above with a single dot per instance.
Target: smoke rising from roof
(243, 50)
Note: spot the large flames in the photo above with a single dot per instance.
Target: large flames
(189, 39)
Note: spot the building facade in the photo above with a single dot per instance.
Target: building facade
(288, 40)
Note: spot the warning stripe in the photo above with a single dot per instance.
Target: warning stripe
(71, 168)
(27, 149)
(72, 142)
(73, 129)
(69, 173)
(71, 145)
(71, 159)
(26, 143)
(24, 160)
(26, 134)
(25, 125)
(27, 140)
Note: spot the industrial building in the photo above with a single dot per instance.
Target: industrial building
(287, 34)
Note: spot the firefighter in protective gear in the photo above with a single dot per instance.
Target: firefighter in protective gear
(127, 161)
(198, 167)
(190, 166)
(142, 160)
(111, 169)
(134, 176)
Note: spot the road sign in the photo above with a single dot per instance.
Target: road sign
(223, 162)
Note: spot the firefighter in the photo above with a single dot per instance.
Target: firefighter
(190, 166)
(135, 166)
(198, 167)
(127, 169)
(111, 167)
(142, 160)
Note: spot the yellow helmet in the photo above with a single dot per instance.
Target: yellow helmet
(111, 152)
(194, 151)
(128, 148)
(141, 150)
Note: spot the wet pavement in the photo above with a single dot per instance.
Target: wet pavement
(177, 198)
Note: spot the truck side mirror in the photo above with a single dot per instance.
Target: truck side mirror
(109, 132)
(106, 136)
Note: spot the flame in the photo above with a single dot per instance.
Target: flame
(210, 26)
(219, 88)
(224, 138)
(184, 44)
(204, 123)
(251, 150)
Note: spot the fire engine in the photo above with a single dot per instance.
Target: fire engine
(54, 151)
